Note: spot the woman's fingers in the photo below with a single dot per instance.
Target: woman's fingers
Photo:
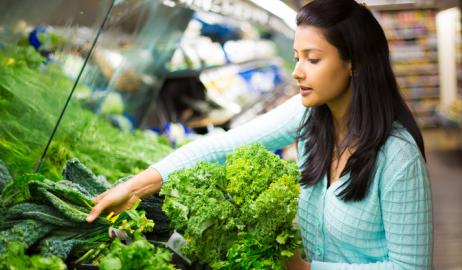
(116, 199)
(96, 210)
(126, 206)
(100, 196)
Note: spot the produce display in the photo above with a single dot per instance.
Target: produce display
(47, 218)
(238, 215)
(32, 95)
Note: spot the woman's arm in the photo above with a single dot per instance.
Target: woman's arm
(274, 130)
(407, 217)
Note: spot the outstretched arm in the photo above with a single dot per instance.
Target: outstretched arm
(274, 130)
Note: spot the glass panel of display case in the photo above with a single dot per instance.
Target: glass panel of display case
(42, 50)
(124, 73)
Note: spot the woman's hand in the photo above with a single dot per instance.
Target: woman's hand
(117, 199)
(298, 263)
(124, 195)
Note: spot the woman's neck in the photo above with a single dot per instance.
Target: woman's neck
(339, 110)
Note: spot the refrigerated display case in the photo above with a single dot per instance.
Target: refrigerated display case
(70, 70)
(67, 71)
(33, 87)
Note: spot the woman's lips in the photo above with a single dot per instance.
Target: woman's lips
(304, 91)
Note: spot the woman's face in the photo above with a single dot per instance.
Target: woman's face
(322, 75)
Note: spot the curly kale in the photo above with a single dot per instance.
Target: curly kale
(198, 206)
(245, 206)
(251, 169)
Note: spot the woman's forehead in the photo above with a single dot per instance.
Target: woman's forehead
(309, 38)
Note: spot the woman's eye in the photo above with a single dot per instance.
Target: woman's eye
(313, 61)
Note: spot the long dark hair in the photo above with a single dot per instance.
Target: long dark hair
(376, 101)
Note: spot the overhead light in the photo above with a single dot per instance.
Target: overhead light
(279, 9)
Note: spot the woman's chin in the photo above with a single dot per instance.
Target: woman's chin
(309, 102)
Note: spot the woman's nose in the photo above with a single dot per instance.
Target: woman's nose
(297, 73)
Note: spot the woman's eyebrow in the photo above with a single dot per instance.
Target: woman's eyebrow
(309, 49)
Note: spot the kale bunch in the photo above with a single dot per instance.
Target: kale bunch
(237, 215)
(198, 206)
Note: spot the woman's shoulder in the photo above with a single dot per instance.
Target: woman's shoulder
(399, 154)
(400, 164)
(400, 143)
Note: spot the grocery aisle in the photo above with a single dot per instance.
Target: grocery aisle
(444, 159)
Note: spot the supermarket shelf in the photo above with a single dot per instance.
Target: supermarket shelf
(411, 33)
(416, 73)
(402, 7)
(422, 40)
(412, 86)
(409, 38)
(195, 73)
(417, 61)
(420, 97)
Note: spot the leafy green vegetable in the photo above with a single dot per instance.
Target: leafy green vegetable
(5, 176)
(39, 212)
(248, 252)
(66, 192)
(198, 207)
(134, 222)
(138, 255)
(73, 213)
(27, 232)
(14, 258)
(239, 215)
(58, 246)
(50, 218)
(17, 190)
(32, 96)
(78, 173)
(152, 205)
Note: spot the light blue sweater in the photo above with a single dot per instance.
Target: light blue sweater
(390, 229)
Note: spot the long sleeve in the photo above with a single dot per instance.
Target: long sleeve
(274, 130)
(407, 220)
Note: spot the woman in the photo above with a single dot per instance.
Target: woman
(365, 200)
